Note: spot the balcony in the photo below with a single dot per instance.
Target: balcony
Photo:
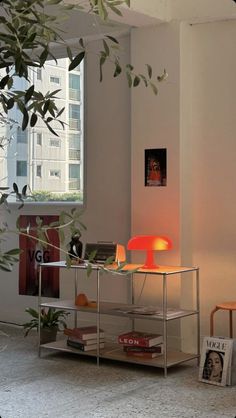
(74, 184)
(74, 94)
(74, 124)
(74, 154)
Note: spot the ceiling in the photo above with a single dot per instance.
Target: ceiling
(146, 13)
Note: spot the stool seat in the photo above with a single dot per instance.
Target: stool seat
(225, 306)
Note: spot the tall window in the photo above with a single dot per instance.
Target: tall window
(21, 168)
(52, 166)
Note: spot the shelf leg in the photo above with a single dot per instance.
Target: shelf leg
(39, 309)
(98, 316)
(76, 292)
(132, 298)
(198, 316)
(164, 306)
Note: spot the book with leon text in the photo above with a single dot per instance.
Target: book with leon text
(135, 349)
(84, 347)
(141, 339)
(84, 333)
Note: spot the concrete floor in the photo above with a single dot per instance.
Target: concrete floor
(68, 386)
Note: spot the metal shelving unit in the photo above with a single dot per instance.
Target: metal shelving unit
(114, 351)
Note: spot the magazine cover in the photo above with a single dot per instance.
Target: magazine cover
(33, 254)
(215, 363)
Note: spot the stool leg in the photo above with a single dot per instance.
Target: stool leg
(212, 321)
(231, 324)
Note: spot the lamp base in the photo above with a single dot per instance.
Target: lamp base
(150, 266)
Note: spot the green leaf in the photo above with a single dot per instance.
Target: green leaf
(118, 70)
(154, 88)
(15, 188)
(77, 60)
(33, 120)
(149, 68)
(136, 81)
(106, 47)
(4, 81)
(25, 119)
(112, 39)
(129, 78)
(29, 93)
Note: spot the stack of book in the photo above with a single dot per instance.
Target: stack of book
(141, 344)
(85, 338)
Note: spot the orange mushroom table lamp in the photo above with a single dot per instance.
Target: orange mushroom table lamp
(150, 243)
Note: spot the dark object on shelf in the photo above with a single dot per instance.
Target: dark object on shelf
(76, 247)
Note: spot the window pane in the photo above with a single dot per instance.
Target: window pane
(21, 168)
(74, 141)
(22, 136)
(38, 170)
(54, 79)
(39, 138)
(74, 171)
(54, 142)
(74, 81)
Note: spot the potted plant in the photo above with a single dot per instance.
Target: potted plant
(50, 321)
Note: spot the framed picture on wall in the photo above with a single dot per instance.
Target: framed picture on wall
(155, 167)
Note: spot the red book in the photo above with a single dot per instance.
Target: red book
(84, 342)
(134, 349)
(84, 333)
(140, 339)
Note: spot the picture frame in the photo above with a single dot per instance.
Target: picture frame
(215, 361)
(155, 162)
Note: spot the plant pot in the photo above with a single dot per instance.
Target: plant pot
(47, 335)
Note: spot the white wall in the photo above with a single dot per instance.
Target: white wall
(214, 155)
(107, 206)
(156, 124)
(194, 118)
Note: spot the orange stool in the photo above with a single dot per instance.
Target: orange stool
(227, 306)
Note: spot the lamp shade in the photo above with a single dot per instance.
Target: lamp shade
(149, 243)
